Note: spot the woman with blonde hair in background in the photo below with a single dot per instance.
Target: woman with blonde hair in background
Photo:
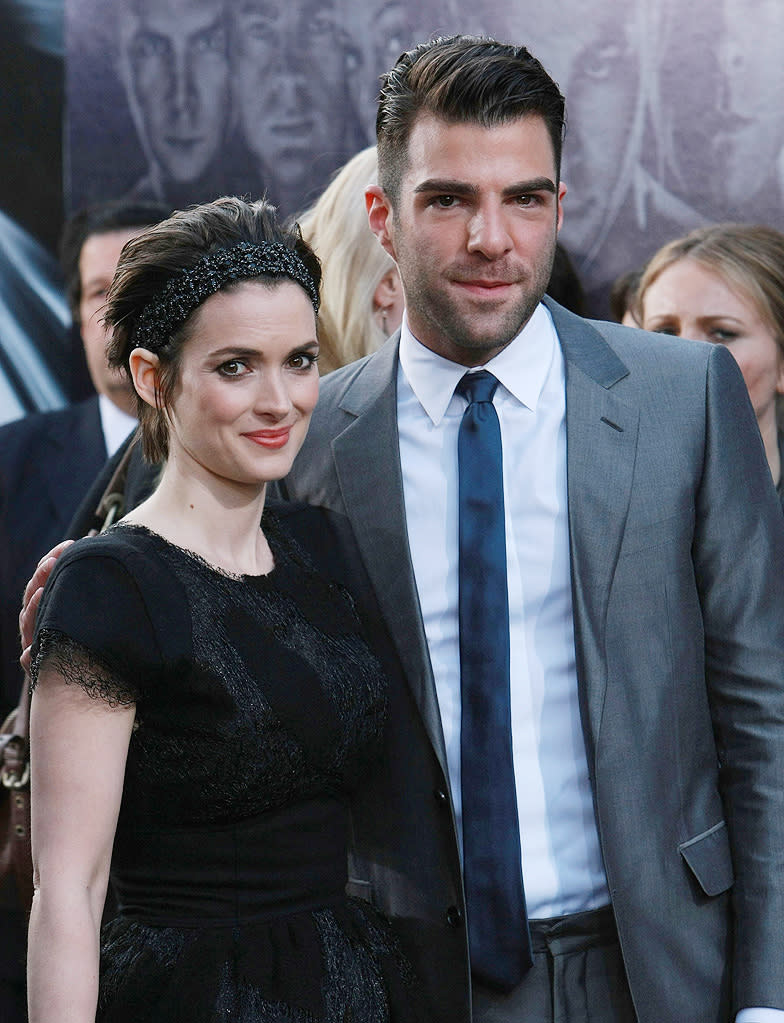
(361, 296)
(725, 284)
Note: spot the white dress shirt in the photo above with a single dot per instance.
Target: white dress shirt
(115, 423)
(562, 864)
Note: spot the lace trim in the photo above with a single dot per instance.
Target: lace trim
(80, 666)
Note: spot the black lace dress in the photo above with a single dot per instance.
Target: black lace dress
(259, 706)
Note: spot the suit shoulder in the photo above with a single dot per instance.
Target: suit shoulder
(334, 385)
(644, 348)
(30, 430)
(21, 439)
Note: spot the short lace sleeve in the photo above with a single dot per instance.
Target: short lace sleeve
(94, 629)
(78, 665)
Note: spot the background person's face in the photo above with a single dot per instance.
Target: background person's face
(601, 81)
(176, 63)
(380, 31)
(290, 84)
(750, 133)
(690, 300)
(97, 263)
(596, 63)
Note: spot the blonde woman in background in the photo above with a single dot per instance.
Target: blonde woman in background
(725, 284)
(361, 297)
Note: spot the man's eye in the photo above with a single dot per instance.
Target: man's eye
(146, 46)
(600, 64)
(260, 29)
(446, 201)
(213, 41)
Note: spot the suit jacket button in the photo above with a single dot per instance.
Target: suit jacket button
(454, 917)
(441, 797)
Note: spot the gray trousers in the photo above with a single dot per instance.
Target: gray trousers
(577, 976)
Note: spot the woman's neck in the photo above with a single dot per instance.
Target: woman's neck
(218, 519)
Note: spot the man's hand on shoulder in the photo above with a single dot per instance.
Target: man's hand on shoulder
(32, 598)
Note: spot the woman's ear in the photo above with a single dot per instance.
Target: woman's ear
(144, 368)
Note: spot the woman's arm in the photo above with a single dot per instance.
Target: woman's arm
(79, 745)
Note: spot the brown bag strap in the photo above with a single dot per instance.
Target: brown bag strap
(111, 506)
(15, 739)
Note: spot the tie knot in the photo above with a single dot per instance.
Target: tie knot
(476, 387)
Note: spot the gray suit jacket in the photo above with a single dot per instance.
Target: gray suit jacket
(677, 553)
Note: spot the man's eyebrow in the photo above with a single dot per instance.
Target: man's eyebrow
(446, 186)
(534, 185)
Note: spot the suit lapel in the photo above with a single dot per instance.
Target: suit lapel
(601, 448)
(601, 432)
(367, 460)
(77, 454)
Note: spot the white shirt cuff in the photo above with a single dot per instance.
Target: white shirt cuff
(760, 1016)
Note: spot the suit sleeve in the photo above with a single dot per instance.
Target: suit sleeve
(738, 554)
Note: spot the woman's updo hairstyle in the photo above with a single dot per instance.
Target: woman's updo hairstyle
(165, 273)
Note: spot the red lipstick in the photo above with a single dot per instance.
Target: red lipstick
(270, 438)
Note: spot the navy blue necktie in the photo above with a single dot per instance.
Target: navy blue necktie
(498, 935)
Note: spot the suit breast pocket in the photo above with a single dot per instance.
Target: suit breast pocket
(708, 855)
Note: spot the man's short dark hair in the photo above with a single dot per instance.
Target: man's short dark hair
(462, 79)
(100, 218)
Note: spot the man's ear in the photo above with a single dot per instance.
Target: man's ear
(380, 218)
(561, 194)
(144, 367)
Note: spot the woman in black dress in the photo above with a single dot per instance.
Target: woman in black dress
(205, 697)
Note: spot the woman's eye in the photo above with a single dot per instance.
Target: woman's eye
(232, 368)
(724, 336)
(303, 360)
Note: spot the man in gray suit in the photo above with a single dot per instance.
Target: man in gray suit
(643, 548)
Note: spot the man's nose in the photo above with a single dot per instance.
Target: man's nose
(488, 232)
(184, 95)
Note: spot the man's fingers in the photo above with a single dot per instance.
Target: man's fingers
(27, 625)
(44, 570)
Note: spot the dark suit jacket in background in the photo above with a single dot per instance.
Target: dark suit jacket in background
(677, 558)
(47, 463)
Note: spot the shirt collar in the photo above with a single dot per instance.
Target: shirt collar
(115, 423)
(521, 367)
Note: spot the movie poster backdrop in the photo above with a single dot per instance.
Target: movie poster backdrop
(675, 111)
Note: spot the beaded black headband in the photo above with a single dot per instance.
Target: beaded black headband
(171, 307)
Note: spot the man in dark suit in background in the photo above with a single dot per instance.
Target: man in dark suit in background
(586, 785)
(48, 460)
(47, 463)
